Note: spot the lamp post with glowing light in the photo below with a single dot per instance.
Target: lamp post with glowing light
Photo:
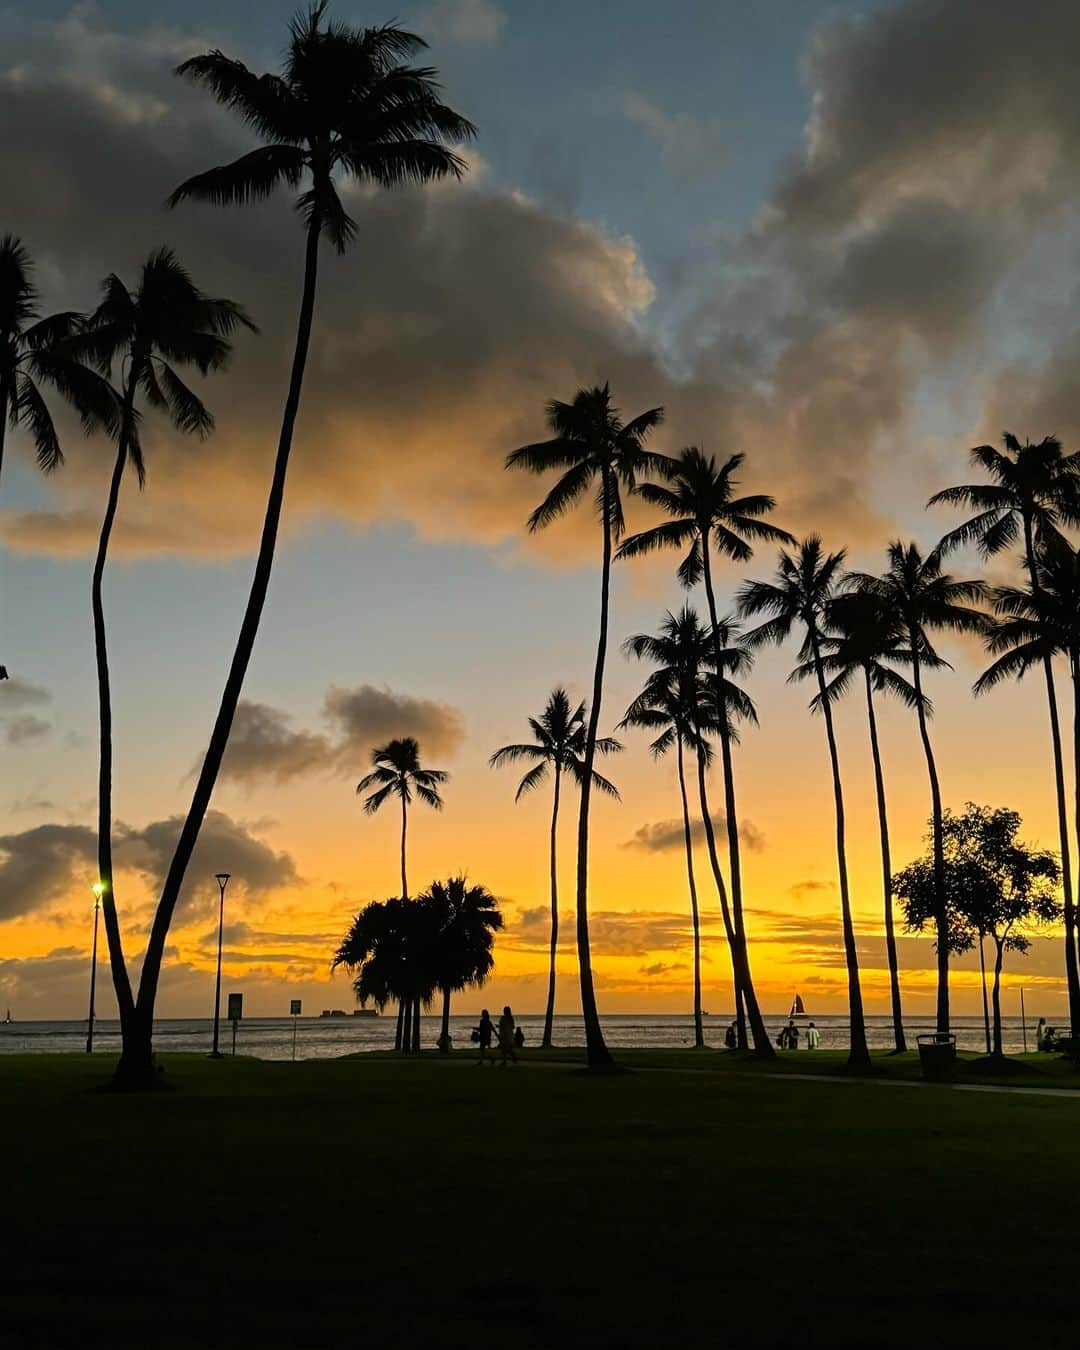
(97, 888)
(222, 879)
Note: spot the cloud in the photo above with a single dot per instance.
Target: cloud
(810, 887)
(264, 745)
(694, 149)
(368, 715)
(25, 728)
(16, 694)
(18, 726)
(663, 968)
(469, 23)
(611, 932)
(662, 836)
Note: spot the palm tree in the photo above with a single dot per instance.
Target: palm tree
(399, 773)
(1035, 489)
(165, 321)
(390, 947)
(699, 497)
(800, 593)
(589, 442)
(344, 105)
(863, 641)
(464, 920)
(919, 597)
(559, 746)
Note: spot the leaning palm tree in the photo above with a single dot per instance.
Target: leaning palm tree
(705, 513)
(919, 598)
(591, 444)
(862, 643)
(163, 322)
(464, 920)
(345, 105)
(399, 773)
(1034, 490)
(800, 594)
(559, 747)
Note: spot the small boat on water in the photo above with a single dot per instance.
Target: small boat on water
(7, 1017)
(798, 1008)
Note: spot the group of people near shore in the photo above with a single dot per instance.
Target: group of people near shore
(507, 1037)
(787, 1040)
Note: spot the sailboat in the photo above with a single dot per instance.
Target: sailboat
(798, 1008)
(7, 1019)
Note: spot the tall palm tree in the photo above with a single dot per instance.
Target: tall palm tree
(920, 598)
(399, 773)
(861, 644)
(559, 746)
(149, 330)
(699, 497)
(344, 105)
(390, 946)
(592, 445)
(464, 920)
(1034, 490)
(800, 594)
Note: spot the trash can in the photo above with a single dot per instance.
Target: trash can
(937, 1056)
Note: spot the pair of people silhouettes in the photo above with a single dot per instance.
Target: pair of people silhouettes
(509, 1039)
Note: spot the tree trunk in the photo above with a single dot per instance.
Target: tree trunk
(699, 1031)
(859, 1055)
(745, 995)
(406, 1031)
(599, 1056)
(444, 1034)
(982, 972)
(416, 1026)
(762, 1046)
(138, 1053)
(404, 824)
(999, 956)
(1072, 973)
(941, 908)
(549, 1015)
(117, 964)
(899, 1039)
(5, 399)
(400, 1030)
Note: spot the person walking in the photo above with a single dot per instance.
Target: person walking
(485, 1033)
(506, 1037)
(813, 1037)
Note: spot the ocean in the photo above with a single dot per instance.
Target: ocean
(327, 1038)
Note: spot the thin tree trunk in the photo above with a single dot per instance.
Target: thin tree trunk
(416, 1026)
(5, 399)
(859, 1056)
(136, 1062)
(404, 822)
(444, 1035)
(599, 1056)
(549, 1015)
(941, 914)
(406, 1033)
(399, 1032)
(699, 1030)
(899, 1039)
(982, 972)
(117, 964)
(999, 957)
(1072, 973)
(746, 1003)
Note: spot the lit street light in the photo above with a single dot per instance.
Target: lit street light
(97, 888)
(222, 879)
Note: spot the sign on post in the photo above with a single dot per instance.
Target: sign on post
(294, 1007)
(236, 1012)
(294, 1013)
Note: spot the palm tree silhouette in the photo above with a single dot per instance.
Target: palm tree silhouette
(919, 597)
(399, 773)
(590, 442)
(344, 104)
(559, 746)
(675, 706)
(464, 920)
(699, 497)
(861, 643)
(1035, 489)
(389, 947)
(34, 351)
(165, 321)
(801, 592)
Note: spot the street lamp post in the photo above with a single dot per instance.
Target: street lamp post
(97, 888)
(222, 879)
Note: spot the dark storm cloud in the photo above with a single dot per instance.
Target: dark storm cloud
(661, 836)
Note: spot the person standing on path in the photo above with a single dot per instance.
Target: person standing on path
(485, 1032)
(506, 1036)
(813, 1037)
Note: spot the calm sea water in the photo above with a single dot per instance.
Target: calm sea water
(325, 1038)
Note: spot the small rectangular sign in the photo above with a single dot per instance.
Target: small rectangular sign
(236, 1007)
(294, 1007)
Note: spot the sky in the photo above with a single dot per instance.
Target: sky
(839, 238)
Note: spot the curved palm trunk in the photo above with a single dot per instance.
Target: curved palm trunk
(762, 1047)
(404, 826)
(899, 1040)
(859, 1056)
(549, 1015)
(941, 915)
(699, 1030)
(999, 956)
(117, 964)
(986, 1006)
(745, 995)
(598, 1054)
(1072, 973)
(136, 1062)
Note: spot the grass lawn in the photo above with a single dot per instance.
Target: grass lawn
(375, 1201)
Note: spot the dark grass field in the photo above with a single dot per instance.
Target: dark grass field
(372, 1201)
